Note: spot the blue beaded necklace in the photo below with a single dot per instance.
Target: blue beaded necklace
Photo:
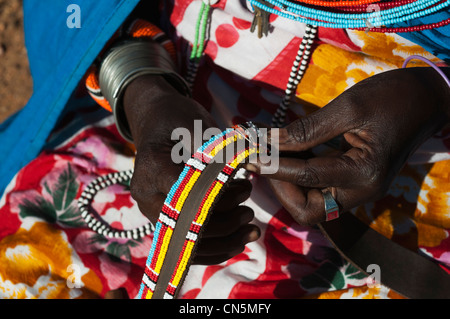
(328, 19)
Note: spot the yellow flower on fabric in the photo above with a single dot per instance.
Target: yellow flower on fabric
(34, 264)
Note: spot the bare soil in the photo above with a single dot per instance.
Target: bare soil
(15, 79)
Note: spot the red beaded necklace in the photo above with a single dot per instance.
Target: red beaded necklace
(411, 28)
(321, 3)
(381, 5)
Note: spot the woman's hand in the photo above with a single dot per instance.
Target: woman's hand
(382, 121)
(154, 109)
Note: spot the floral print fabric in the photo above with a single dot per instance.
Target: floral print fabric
(47, 251)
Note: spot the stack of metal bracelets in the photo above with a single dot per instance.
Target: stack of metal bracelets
(128, 60)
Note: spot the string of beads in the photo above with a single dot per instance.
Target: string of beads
(297, 71)
(328, 19)
(337, 3)
(97, 224)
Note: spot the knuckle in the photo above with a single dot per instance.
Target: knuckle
(371, 171)
(301, 129)
(351, 99)
(307, 176)
(303, 218)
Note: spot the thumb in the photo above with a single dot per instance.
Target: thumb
(314, 129)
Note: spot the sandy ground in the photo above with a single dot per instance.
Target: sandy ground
(15, 78)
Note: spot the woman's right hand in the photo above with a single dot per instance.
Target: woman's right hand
(154, 109)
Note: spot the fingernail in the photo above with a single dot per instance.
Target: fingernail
(251, 168)
(253, 235)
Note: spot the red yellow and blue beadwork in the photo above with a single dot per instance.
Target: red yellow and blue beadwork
(175, 201)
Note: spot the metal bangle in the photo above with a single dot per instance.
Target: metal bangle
(125, 62)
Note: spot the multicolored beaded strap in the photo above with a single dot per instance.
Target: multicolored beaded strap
(187, 207)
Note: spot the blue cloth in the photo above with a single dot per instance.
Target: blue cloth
(59, 56)
(435, 41)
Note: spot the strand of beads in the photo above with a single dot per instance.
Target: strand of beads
(317, 14)
(411, 28)
(380, 5)
(97, 224)
(199, 43)
(328, 19)
(297, 71)
(337, 3)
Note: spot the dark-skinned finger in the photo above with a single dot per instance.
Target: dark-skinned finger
(350, 169)
(228, 244)
(237, 192)
(317, 172)
(307, 207)
(224, 224)
(217, 259)
(314, 129)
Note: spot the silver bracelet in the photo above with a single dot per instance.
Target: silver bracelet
(127, 61)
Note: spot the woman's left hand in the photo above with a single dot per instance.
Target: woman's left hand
(382, 119)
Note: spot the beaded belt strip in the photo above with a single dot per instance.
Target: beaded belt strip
(187, 207)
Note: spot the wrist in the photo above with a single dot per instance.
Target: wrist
(141, 101)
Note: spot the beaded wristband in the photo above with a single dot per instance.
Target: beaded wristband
(187, 207)
(127, 61)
